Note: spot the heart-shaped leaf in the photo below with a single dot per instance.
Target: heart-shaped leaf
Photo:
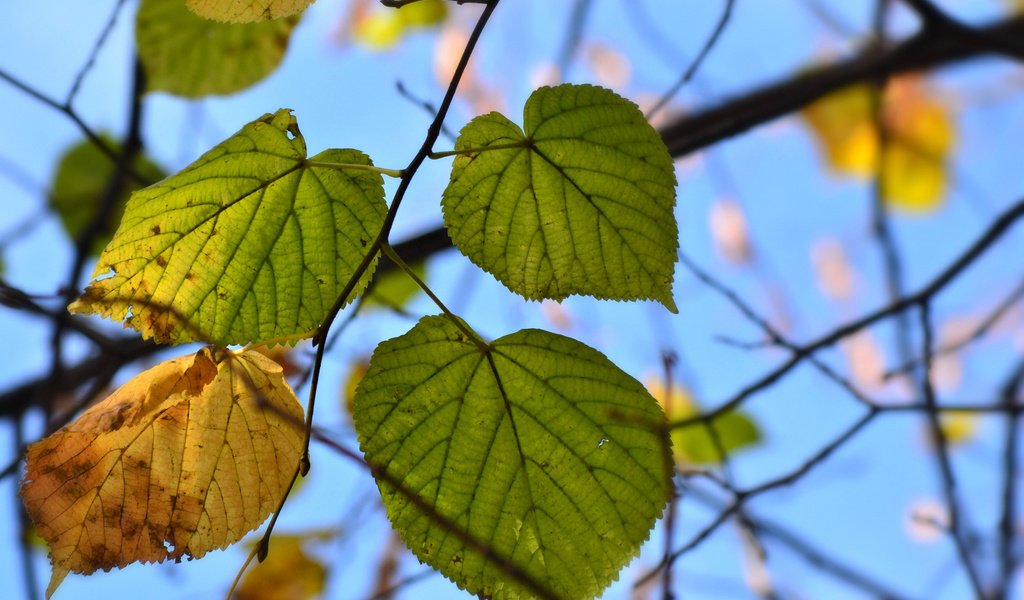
(579, 201)
(185, 458)
(251, 242)
(535, 445)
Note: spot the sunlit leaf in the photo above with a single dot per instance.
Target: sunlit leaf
(246, 11)
(191, 56)
(84, 174)
(537, 445)
(920, 136)
(580, 201)
(249, 243)
(694, 444)
(288, 573)
(185, 458)
(381, 28)
(395, 289)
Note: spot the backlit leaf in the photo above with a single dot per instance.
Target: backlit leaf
(246, 11)
(83, 176)
(394, 289)
(288, 573)
(183, 459)
(694, 444)
(381, 28)
(248, 243)
(920, 136)
(580, 201)
(539, 447)
(191, 56)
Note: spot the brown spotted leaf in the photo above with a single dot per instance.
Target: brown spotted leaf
(185, 458)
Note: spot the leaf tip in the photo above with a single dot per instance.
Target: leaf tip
(669, 302)
(57, 576)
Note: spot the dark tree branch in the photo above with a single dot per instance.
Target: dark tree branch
(1008, 517)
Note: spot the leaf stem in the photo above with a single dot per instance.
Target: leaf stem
(396, 173)
(241, 571)
(463, 327)
(524, 143)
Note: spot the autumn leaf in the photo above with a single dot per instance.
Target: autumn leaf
(382, 28)
(185, 458)
(288, 573)
(920, 136)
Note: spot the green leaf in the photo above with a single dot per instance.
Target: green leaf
(83, 175)
(251, 242)
(693, 444)
(246, 11)
(394, 289)
(191, 56)
(536, 445)
(581, 203)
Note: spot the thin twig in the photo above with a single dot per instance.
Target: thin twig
(942, 454)
(692, 69)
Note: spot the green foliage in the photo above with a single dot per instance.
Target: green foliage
(535, 444)
(694, 444)
(83, 177)
(579, 201)
(528, 462)
(191, 56)
(249, 243)
(394, 289)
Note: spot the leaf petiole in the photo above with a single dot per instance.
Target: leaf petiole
(525, 143)
(397, 173)
(389, 252)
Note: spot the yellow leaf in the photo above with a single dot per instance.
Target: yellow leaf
(246, 11)
(959, 427)
(359, 369)
(382, 28)
(842, 124)
(185, 458)
(288, 573)
(920, 134)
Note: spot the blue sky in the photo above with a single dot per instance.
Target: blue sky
(854, 505)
